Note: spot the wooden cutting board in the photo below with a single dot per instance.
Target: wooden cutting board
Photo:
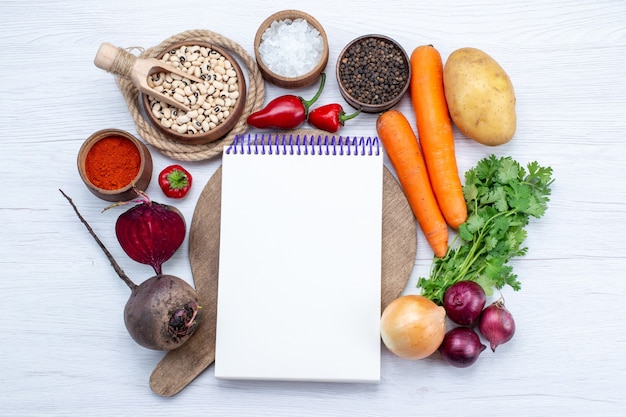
(181, 366)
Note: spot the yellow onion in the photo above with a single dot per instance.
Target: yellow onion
(413, 327)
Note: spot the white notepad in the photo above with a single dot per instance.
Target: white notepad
(300, 259)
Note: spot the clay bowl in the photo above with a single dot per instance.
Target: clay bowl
(283, 81)
(359, 87)
(123, 191)
(196, 131)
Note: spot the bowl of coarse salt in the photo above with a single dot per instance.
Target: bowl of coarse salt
(211, 108)
(291, 49)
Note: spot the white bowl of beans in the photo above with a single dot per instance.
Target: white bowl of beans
(215, 105)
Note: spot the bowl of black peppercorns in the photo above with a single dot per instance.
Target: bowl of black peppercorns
(373, 73)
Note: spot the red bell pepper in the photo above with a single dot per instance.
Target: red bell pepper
(175, 181)
(284, 112)
(330, 117)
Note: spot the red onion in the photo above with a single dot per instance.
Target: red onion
(461, 347)
(496, 324)
(150, 233)
(464, 301)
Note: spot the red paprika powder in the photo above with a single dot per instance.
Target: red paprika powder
(112, 163)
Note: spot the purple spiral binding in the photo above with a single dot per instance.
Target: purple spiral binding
(289, 144)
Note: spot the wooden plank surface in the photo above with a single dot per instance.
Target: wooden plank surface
(66, 351)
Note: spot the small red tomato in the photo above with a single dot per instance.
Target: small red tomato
(175, 181)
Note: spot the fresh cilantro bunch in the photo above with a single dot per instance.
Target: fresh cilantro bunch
(501, 197)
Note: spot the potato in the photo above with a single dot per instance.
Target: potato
(480, 97)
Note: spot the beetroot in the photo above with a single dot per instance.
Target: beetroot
(162, 312)
(150, 232)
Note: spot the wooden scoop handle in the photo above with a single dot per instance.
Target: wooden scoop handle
(120, 62)
(109, 56)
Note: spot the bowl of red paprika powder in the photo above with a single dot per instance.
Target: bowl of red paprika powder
(113, 164)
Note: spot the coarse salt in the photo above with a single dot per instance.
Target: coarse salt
(291, 47)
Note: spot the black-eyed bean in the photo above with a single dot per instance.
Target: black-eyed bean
(182, 119)
(210, 101)
(179, 97)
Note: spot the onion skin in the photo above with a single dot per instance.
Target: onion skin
(412, 327)
(162, 312)
(461, 347)
(464, 301)
(496, 324)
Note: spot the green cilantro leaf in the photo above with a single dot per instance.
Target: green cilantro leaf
(501, 196)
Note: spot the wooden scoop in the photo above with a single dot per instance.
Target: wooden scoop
(120, 62)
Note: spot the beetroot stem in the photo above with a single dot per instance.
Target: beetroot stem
(114, 264)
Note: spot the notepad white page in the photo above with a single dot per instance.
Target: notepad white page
(300, 268)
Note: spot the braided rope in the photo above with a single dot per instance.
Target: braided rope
(186, 152)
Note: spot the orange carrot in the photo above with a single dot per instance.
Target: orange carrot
(400, 142)
(434, 129)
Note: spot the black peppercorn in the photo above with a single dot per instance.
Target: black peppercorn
(374, 70)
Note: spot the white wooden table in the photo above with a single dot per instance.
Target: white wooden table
(64, 349)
